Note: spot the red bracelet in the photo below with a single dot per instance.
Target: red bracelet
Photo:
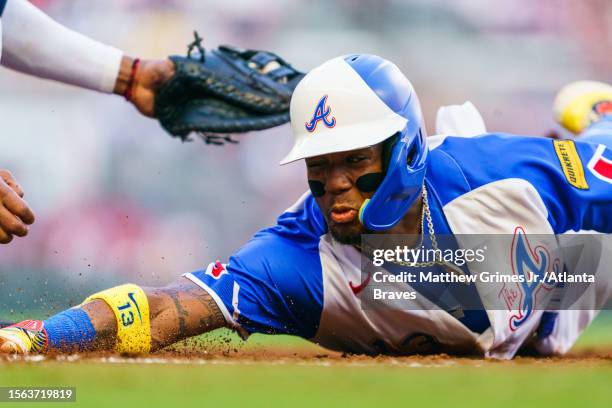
(130, 84)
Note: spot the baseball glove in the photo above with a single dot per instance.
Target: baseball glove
(214, 93)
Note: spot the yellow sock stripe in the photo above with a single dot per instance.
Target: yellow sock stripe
(576, 116)
(130, 305)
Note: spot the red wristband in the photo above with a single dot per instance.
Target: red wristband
(130, 84)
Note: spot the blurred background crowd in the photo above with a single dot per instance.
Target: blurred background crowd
(118, 200)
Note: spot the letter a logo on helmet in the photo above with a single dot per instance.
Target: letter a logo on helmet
(321, 114)
(373, 103)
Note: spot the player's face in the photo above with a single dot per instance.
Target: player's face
(341, 198)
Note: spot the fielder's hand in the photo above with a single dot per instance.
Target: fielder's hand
(211, 93)
(151, 74)
(139, 82)
(15, 214)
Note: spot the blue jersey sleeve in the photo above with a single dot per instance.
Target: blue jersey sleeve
(573, 178)
(273, 284)
(2, 5)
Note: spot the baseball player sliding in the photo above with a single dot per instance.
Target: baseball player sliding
(371, 168)
(186, 95)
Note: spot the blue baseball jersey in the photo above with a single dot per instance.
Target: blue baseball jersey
(294, 278)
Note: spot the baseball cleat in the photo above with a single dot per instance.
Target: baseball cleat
(4, 324)
(579, 104)
(23, 338)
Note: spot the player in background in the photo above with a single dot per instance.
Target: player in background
(357, 122)
(29, 43)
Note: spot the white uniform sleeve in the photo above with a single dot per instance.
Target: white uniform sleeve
(460, 120)
(37, 45)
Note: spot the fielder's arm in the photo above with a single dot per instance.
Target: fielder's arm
(31, 41)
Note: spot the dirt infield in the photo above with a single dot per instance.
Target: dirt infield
(312, 357)
(225, 347)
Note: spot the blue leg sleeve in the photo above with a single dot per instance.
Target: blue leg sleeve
(70, 329)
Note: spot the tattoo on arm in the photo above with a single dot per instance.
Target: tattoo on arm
(215, 318)
(182, 310)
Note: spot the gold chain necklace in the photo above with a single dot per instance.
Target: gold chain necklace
(425, 218)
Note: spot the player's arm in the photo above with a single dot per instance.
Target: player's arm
(272, 285)
(124, 319)
(177, 311)
(257, 291)
(35, 44)
(15, 215)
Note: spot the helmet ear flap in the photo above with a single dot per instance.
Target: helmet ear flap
(405, 159)
(388, 145)
(414, 150)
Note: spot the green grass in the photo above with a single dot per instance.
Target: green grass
(100, 385)
(598, 334)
